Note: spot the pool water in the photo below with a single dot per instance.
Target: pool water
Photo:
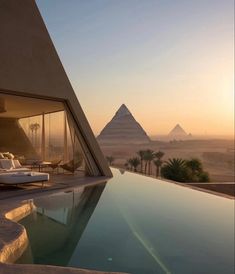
(133, 224)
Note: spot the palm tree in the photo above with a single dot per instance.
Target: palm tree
(158, 162)
(194, 165)
(140, 153)
(134, 162)
(195, 168)
(31, 127)
(203, 177)
(159, 154)
(175, 169)
(148, 158)
(130, 165)
(110, 159)
(34, 128)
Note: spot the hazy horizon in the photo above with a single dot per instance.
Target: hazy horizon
(170, 62)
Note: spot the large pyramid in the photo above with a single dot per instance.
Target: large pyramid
(123, 129)
(178, 133)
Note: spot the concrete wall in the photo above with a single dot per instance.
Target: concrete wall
(30, 66)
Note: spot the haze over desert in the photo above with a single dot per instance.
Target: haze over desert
(123, 137)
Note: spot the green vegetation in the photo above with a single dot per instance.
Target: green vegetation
(158, 161)
(140, 153)
(184, 170)
(34, 127)
(148, 158)
(145, 160)
(175, 169)
(134, 163)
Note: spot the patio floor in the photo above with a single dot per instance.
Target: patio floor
(56, 182)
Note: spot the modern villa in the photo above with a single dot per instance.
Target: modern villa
(42, 124)
(35, 91)
(62, 209)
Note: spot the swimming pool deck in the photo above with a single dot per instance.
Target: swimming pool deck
(56, 182)
(13, 236)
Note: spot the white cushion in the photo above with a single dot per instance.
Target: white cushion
(7, 164)
(13, 170)
(22, 178)
(17, 164)
(8, 155)
(11, 156)
(19, 174)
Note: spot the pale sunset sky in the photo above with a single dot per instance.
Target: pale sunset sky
(169, 61)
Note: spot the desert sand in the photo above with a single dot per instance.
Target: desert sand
(217, 156)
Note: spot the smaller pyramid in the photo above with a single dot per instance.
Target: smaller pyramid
(123, 129)
(178, 133)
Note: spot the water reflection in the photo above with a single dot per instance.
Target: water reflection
(134, 224)
(57, 225)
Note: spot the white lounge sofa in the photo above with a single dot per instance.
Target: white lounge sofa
(10, 165)
(16, 178)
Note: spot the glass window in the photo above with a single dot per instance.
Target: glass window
(40, 130)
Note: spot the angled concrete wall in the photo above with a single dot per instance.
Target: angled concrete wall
(30, 66)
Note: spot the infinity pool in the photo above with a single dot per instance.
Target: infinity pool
(133, 224)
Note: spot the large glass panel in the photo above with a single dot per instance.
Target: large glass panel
(38, 130)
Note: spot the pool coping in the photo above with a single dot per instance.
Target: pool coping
(13, 236)
(47, 269)
(187, 185)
